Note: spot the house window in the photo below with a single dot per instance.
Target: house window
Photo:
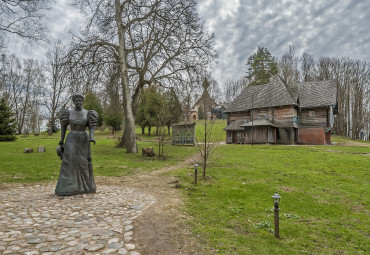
(311, 113)
(241, 134)
(262, 113)
(229, 134)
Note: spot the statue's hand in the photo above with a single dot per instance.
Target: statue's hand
(92, 140)
(60, 142)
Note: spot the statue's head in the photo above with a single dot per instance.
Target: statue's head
(77, 95)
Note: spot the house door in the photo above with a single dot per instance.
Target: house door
(235, 137)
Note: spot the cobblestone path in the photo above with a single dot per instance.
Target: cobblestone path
(35, 221)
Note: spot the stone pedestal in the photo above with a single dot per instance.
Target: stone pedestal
(28, 150)
(41, 149)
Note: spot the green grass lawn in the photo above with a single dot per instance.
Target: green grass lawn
(218, 134)
(218, 126)
(325, 191)
(324, 207)
(342, 139)
(108, 160)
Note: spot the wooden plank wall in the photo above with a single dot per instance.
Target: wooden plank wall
(271, 134)
(284, 115)
(281, 115)
(260, 135)
(320, 119)
(239, 115)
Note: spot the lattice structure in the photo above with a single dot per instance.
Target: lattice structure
(183, 134)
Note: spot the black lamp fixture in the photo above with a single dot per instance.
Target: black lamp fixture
(276, 200)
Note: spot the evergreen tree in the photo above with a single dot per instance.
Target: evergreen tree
(158, 108)
(92, 102)
(7, 122)
(113, 114)
(149, 108)
(140, 116)
(261, 67)
(114, 119)
(153, 108)
(173, 108)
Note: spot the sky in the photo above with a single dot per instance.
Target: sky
(332, 28)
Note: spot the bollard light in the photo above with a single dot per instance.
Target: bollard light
(276, 199)
(196, 174)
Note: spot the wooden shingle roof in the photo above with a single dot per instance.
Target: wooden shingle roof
(316, 94)
(275, 93)
(278, 93)
(258, 122)
(235, 125)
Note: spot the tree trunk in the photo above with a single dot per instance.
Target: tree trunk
(51, 125)
(136, 99)
(142, 130)
(129, 137)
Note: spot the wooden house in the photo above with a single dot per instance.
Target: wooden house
(279, 113)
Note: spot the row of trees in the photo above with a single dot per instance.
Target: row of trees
(21, 87)
(30, 87)
(158, 108)
(125, 45)
(352, 77)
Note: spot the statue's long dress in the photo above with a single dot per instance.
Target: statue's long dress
(76, 175)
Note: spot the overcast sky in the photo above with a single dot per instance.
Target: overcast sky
(331, 28)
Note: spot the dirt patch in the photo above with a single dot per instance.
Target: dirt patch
(162, 229)
(352, 143)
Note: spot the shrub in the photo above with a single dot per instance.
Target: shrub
(8, 138)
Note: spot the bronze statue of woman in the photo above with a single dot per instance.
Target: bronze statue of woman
(76, 175)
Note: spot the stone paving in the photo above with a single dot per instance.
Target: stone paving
(35, 221)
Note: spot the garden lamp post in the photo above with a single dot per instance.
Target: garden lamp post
(276, 200)
(196, 174)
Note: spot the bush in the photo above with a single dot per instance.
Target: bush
(7, 122)
(8, 138)
(55, 128)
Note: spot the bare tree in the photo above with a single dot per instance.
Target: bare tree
(24, 18)
(148, 40)
(11, 80)
(207, 144)
(18, 83)
(288, 66)
(214, 90)
(360, 88)
(55, 87)
(22, 86)
(186, 88)
(233, 88)
(308, 65)
(324, 69)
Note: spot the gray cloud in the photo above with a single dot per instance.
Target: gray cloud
(62, 17)
(333, 28)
